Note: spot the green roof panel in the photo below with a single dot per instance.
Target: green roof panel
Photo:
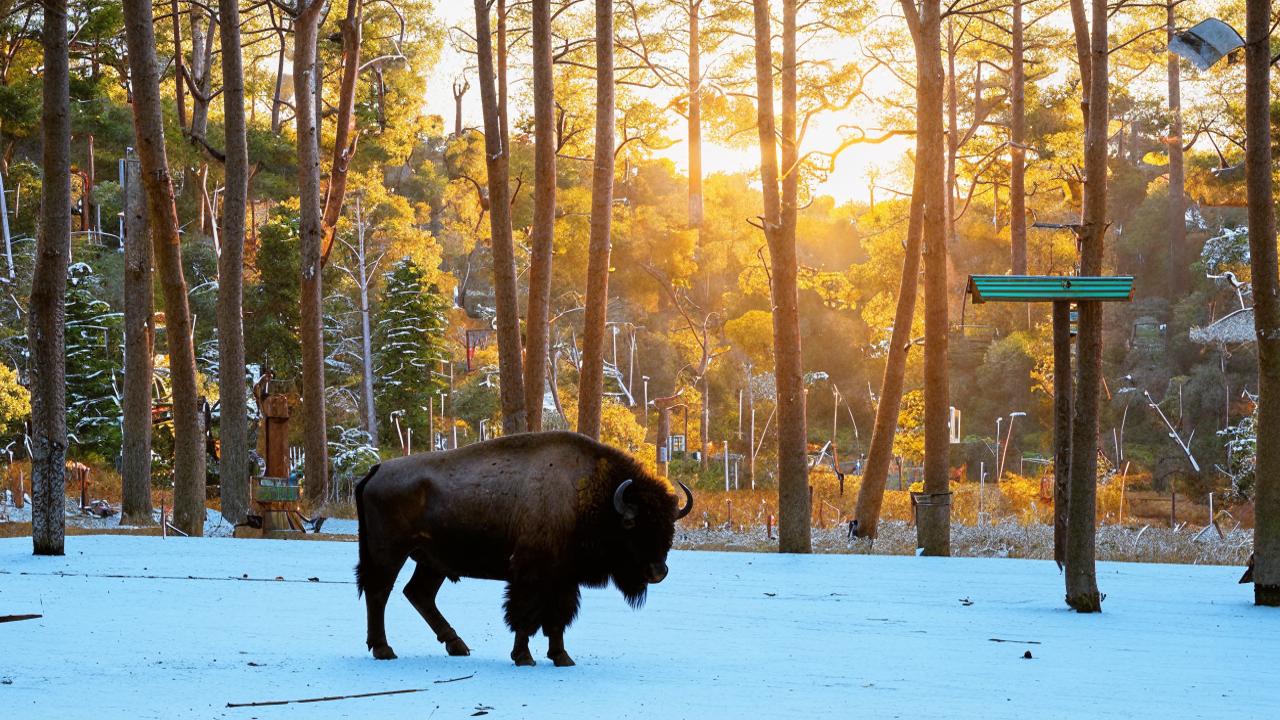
(1049, 288)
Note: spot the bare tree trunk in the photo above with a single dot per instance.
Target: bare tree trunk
(366, 331)
(344, 144)
(1081, 577)
(1017, 146)
(201, 55)
(695, 119)
(779, 228)
(189, 450)
(497, 159)
(934, 526)
(459, 91)
(1177, 176)
(537, 329)
(1080, 26)
(1266, 294)
(876, 470)
(1062, 394)
(179, 88)
(47, 312)
(316, 468)
(139, 339)
(233, 425)
(591, 378)
(503, 120)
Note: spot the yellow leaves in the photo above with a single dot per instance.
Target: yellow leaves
(15, 400)
(752, 333)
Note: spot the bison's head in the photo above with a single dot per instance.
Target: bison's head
(646, 515)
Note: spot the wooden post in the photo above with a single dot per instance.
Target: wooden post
(275, 433)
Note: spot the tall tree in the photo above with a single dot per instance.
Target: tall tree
(779, 223)
(1177, 174)
(880, 453)
(497, 163)
(47, 314)
(934, 526)
(306, 27)
(139, 340)
(1266, 293)
(233, 424)
(1017, 142)
(591, 378)
(1081, 575)
(537, 327)
(148, 120)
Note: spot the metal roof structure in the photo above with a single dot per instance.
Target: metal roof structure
(1049, 288)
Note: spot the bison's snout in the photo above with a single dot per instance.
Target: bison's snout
(657, 571)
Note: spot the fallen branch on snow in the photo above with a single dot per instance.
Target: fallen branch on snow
(16, 618)
(330, 698)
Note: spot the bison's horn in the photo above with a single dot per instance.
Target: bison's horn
(619, 499)
(688, 501)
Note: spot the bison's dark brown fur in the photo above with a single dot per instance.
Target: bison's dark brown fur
(546, 512)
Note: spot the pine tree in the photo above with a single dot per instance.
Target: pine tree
(94, 333)
(271, 303)
(409, 345)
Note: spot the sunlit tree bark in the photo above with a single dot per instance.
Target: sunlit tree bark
(591, 385)
(162, 213)
(46, 312)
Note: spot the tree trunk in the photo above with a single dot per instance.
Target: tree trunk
(233, 424)
(541, 239)
(1062, 393)
(139, 339)
(934, 526)
(366, 331)
(1177, 176)
(179, 88)
(1080, 28)
(497, 158)
(201, 52)
(1017, 147)
(310, 229)
(1266, 294)
(876, 470)
(47, 311)
(162, 214)
(344, 145)
(1081, 577)
(695, 121)
(591, 378)
(779, 227)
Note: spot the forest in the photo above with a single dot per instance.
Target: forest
(738, 240)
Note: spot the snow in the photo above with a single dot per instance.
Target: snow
(138, 627)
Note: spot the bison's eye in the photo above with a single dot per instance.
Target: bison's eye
(628, 522)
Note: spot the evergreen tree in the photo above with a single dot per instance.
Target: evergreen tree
(409, 345)
(271, 302)
(94, 333)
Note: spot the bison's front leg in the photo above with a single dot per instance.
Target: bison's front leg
(524, 616)
(559, 609)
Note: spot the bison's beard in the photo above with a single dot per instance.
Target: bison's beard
(633, 587)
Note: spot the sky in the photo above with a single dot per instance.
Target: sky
(847, 183)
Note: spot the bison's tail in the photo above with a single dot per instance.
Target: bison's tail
(362, 530)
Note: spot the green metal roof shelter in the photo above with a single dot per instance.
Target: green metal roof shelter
(1049, 288)
(1061, 290)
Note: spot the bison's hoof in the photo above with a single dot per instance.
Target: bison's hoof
(384, 652)
(523, 658)
(561, 659)
(457, 647)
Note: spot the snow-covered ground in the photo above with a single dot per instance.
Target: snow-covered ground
(144, 627)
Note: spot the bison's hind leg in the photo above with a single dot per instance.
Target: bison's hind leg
(421, 592)
(378, 580)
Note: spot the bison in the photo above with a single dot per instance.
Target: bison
(546, 512)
